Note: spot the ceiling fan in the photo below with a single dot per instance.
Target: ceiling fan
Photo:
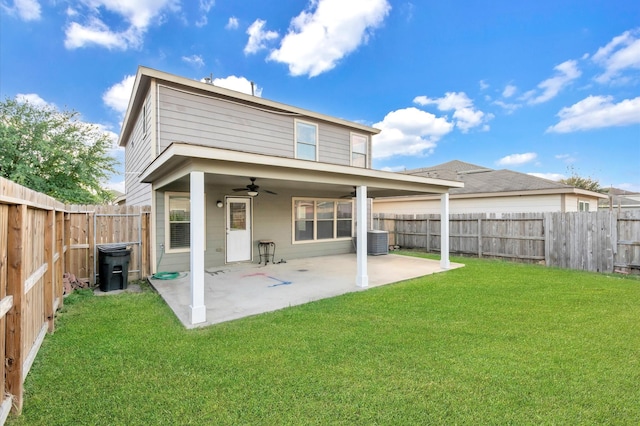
(252, 189)
(352, 194)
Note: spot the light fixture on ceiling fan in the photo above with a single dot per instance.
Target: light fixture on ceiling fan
(252, 189)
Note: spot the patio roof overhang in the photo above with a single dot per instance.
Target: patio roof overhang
(231, 168)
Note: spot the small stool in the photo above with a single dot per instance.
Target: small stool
(266, 249)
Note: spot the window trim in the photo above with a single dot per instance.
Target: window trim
(167, 222)
(366, 149)
(315, 201)
(582, 204)
(295, 139)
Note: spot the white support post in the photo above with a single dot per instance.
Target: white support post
(444, 231)
(198, 311)
(362, 279)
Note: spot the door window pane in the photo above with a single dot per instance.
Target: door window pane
(238, 216)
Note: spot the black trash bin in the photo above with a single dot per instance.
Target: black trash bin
(113, 267)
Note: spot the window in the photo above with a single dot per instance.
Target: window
(177, 208)
(583, 206)
(322, 219)
(358, 150)
(306, 141)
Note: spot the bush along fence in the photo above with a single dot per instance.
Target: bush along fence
(42, 240)
(602, 241)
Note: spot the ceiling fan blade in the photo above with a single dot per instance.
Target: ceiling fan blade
(269, 192)
(239, 189)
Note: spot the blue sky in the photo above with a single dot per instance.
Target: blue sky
(542, 87)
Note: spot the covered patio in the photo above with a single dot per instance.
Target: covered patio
(241, 290)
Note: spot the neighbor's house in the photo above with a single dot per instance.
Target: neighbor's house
(491, 191)
(619, 199)
(192, 148)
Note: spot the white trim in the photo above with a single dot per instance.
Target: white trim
(444, 232)
(225, 161)
(362, 277)
(226, 227)
(295, 138)
(198, 310)
(366, 149)
(167, 227)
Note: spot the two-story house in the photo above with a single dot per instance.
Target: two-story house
(224, 170)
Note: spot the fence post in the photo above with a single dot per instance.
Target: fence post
(16, 277)
(479, 237)
(49, 277)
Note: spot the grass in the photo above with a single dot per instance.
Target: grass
(491, 343)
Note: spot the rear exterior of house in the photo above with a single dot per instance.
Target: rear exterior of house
(312, 162)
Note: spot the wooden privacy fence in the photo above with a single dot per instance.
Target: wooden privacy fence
(603, 241)
(40, 240)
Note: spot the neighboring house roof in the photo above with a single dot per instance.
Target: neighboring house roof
(621, 198)
(482, 180)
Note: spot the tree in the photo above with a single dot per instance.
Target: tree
(55, 153)
(577, 181)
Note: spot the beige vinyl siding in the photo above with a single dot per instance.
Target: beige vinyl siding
(204, 120)
(334, 144)
(138, 154)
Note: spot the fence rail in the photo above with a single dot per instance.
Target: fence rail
(40, 240)
(603, 241)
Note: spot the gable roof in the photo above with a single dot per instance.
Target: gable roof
(483, 180)
(145, 76)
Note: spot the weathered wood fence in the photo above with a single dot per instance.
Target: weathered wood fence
(40, 240)
(603, 241)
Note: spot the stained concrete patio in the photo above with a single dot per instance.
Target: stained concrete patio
(237, 291)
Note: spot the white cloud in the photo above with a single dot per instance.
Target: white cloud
(195, 60)
(116, 186)
(258, 38)
(517, 159)
(483, 85)
(465, 115)
(205, 7)
(596, 112)
(326, 32)
(34, 100)
(566, 158)
(98, 33)
(621, 53)
(239, 84)
(27, 10)
(550, 176)
(117, 96)
(566, 73)
(509, 91)
(509, 107)
(394, 169)
(137, 17)
(409, 131)
(232, 24)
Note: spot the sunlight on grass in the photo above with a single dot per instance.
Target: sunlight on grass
(493, 342)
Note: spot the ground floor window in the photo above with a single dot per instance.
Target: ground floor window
(322, 219)
(583, 206)
(177, 208)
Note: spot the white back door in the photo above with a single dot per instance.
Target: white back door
(238, 229)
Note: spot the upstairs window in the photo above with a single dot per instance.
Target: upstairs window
(359, 150)
(306, 141)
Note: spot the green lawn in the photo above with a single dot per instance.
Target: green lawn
(491, 343)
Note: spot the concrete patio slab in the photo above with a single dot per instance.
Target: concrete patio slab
(236, 291)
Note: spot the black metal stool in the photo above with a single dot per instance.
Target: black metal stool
(266, 249)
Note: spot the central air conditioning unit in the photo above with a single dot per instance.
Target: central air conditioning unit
(377, 242)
